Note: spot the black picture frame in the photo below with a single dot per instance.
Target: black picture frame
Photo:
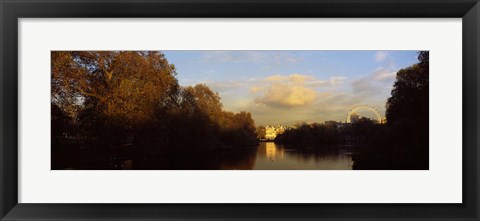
(11, 11)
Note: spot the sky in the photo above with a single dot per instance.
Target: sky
(289, 87)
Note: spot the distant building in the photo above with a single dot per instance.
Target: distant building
(338, 125)
(272, 131)
(375, 121)
(354, 117)
(384, 121)
(341, 126)
(331, 123)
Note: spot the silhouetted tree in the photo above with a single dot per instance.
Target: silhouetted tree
(409, 98)
(60, 123)
(408, 112)
(405, 142)
(310, 134)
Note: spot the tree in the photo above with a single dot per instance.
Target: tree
(408, 115)
(310, 134)
(409, 100)
(113, 97)
(261, 132)
(126, 87)
(237, 129)
(205, 101)
(60, 123)
(67, 76)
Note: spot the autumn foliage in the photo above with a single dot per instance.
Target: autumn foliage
(105, 99)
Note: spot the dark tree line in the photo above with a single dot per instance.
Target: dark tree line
(309, 134)
(362, 132)
(404, 143)
(105, 99)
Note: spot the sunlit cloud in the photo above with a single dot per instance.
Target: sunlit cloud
(256, 89)
(294, 78)
(287, 95)
(291, 90)
(307, 80)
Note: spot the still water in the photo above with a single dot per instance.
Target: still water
(271, 156)
(266, 156)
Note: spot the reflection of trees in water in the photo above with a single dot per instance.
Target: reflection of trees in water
(228, 159)
(319, 156)
(314, 153)
(245, 162)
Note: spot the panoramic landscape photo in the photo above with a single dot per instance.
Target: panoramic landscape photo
(240, 110)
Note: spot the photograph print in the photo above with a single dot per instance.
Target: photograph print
(240, 110)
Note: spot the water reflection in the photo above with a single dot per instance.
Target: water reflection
(227, 159)
(271, 151)
(271, 156)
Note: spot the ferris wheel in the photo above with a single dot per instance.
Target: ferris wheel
(364, 107)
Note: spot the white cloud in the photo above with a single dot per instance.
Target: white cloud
(221, 86)
(380, 56)
(210, 72)
(385, 75)
(285, 57)
(363, 86)
(336, 80)
(217, 56)
(256, 89)
(268, 57)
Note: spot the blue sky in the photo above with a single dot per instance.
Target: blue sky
(287, 87)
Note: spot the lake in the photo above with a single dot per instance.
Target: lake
(271, 156)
